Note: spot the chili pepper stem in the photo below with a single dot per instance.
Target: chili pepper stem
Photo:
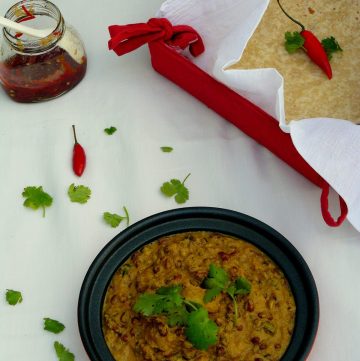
(73, 126)
(290, 17)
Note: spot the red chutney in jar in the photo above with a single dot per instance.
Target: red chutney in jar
(35, 78)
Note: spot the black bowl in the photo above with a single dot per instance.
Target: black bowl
(278, 248)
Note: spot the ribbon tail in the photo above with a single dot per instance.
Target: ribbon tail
(329, 220)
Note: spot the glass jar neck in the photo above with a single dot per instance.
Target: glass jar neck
(41, 14)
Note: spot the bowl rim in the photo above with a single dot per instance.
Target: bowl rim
(179, 220)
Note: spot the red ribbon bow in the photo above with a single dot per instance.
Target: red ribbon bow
(126, 38)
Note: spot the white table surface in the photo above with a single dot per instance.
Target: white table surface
(47, 258)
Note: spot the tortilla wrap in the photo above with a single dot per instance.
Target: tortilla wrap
(308, 91)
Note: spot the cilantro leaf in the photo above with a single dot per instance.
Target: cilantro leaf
(13, 297)
(177, 188)
(293, 41)
(218, 281)
(242, 287)
(215, 282)
(53, 325)
(79, 194)
(114, 219)
(36, 198)
(110, 130)
(62, 353)
(163, 301)
(178, 316)
(166, 149)
(201, 331)
(330, 46)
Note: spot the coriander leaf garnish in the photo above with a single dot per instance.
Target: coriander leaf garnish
(330, 46)
(163, 301)
(114, 219)
(293, 41)
(168, 301)
(36, 198)
(201, 331)
(218, 281)
(13, 297)
(110, 130)
(215, 282)
(62, 353)
(167, 149)
(53, 325)
(79, 194)
(177, 188)
(178, 316)
(241, 287)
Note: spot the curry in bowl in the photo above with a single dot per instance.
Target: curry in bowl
(200, 296)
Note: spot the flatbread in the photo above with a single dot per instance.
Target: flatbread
(308, 91)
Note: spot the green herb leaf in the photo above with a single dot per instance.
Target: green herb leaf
(53, 325)
(178, 316)
(330, 46)
(242, 287)
(215, 282)
(166, 149)
(114, 219)
(163, 301)
(201, 331)
(293, 41)
(79, 194)
(13, 297)
(177, 188)
(62, 353)
(36, 198)
(218, 281)
(110, 130)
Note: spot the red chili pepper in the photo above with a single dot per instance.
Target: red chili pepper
(29, 16)
(312, 46)
(79, 157)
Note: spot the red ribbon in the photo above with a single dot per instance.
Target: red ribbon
(126, 38)
(329, 220)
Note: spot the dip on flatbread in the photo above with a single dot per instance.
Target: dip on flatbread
(308, 92)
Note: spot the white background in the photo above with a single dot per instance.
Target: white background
(47, 258)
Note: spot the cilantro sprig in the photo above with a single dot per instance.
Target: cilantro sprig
(79, 194)
(200, 330)
(62, 353)
(36, 198)
(53, 326)
(166, 149)
(177, 188)
(330, 46)
(293, 41)
(13, 297)
(218, 281)
(110, 131)
(114, 219)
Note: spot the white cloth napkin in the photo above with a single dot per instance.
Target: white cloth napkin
(330, 146)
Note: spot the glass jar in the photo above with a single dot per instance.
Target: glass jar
(36, 69)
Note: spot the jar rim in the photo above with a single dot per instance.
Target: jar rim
(32, 45)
